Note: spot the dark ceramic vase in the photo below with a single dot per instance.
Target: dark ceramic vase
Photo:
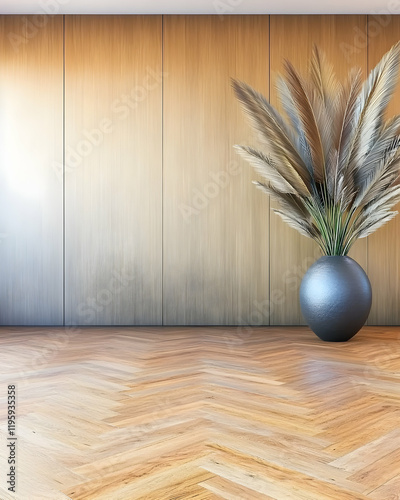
(335, 298)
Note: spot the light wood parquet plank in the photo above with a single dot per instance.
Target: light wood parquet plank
(203, 413)
(371, 452)
(267, 478)
(381, 471)
(388, 491)
(232, 491)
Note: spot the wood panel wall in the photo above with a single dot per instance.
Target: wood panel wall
(215, 222)
(31, 208)
(384, 245)
(122, 199)
(113, 169)
(292, 38)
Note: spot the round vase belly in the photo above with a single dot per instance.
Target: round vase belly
(335, 298)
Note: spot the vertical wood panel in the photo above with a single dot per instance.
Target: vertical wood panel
(31, 258)
(384, 245)
(113, 175)
(215, 221)
(216, 224)
(292, 37)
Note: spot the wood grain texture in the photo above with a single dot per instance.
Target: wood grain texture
(113, 169)
(217, 226)
(202, 413)
(215, 221)
(383, 246)
(31, 270)
(292, 38)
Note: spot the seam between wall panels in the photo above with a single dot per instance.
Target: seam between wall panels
(63, 174)
(162, 170)
(269, 198)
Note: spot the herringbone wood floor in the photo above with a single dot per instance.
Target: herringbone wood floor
(202, 413)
